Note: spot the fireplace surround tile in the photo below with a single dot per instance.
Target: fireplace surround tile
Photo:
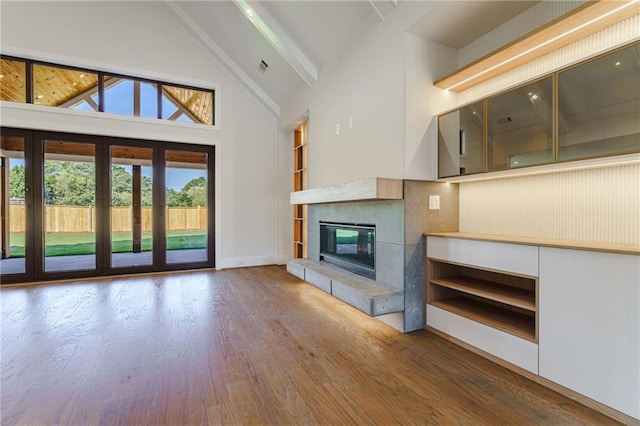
(313, 243)
(390, 264)
(386, 215)
(414, 276)
(400, 225)
(319, 280)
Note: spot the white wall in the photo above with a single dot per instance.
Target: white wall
(367, 83)
(144, 39)
(585, 205)
(425, 61)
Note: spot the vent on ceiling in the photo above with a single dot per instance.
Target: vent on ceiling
(504, 120)
(263, 66)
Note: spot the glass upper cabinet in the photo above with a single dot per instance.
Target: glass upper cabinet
(520, 126)
(461, 141)
(599, 103)
(589, 110)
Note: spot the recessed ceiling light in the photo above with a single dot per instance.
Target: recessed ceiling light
(1, 75)
(249, 13)
(82, 75)
(39, 96)
(534, 97)
(618, 63)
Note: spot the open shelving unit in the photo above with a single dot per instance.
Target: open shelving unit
(499, 300)
(300, 184)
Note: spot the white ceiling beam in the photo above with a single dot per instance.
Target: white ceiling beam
(221, 55)
(383, 7)
(279, 39)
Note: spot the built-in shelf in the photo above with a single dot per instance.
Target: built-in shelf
(581, 22)
(366, 189)
(521, 298)
(500, 300)
(508, 321)
(300, 184)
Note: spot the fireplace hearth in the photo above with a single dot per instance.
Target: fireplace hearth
(349, 246)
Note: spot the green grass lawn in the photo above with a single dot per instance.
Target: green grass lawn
(84, 243)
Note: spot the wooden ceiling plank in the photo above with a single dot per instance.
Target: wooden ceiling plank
(132, 153)
(12, 144)
(69, 148)
(12, 84)
(178, 104)
(194, 157)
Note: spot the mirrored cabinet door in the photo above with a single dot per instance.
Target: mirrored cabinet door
(461, 141)
(520, 131)
(599, 104)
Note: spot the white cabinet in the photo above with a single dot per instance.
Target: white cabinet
(589, 325)
(570, 314)
(484, 293)
(511, 348)
(515, 258)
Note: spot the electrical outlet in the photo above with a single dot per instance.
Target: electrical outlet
(434, 202)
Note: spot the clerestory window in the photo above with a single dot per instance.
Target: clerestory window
(29, 81)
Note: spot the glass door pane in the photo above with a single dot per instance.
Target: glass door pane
(69, 204)
(13, 206)
(131, 182)
(187, 201)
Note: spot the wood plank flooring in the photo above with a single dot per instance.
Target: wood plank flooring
(243, 346)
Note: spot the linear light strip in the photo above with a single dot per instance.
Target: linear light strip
(551, 40)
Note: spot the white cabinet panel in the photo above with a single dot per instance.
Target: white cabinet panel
(516, 258)
(515, 350)
(589, 325)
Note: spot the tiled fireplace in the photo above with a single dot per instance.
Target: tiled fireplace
(398, 243)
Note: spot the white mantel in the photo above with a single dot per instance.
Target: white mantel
(366, 189)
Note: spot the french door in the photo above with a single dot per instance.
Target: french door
(16, 205)
(78, 206)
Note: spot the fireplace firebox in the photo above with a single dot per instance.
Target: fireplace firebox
(349, 246)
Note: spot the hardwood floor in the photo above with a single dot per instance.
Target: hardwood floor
(243, 346)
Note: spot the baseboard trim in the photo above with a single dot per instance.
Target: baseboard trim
(242, 262)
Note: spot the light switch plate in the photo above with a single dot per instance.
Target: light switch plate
(434, 202)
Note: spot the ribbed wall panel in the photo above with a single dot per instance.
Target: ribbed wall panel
(601, 205)
(527, 21)
(612, 37)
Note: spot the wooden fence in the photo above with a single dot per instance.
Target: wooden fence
(83, 219)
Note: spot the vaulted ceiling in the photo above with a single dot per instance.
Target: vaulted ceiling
(296, 39)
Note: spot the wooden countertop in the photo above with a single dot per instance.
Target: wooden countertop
(632, 249)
